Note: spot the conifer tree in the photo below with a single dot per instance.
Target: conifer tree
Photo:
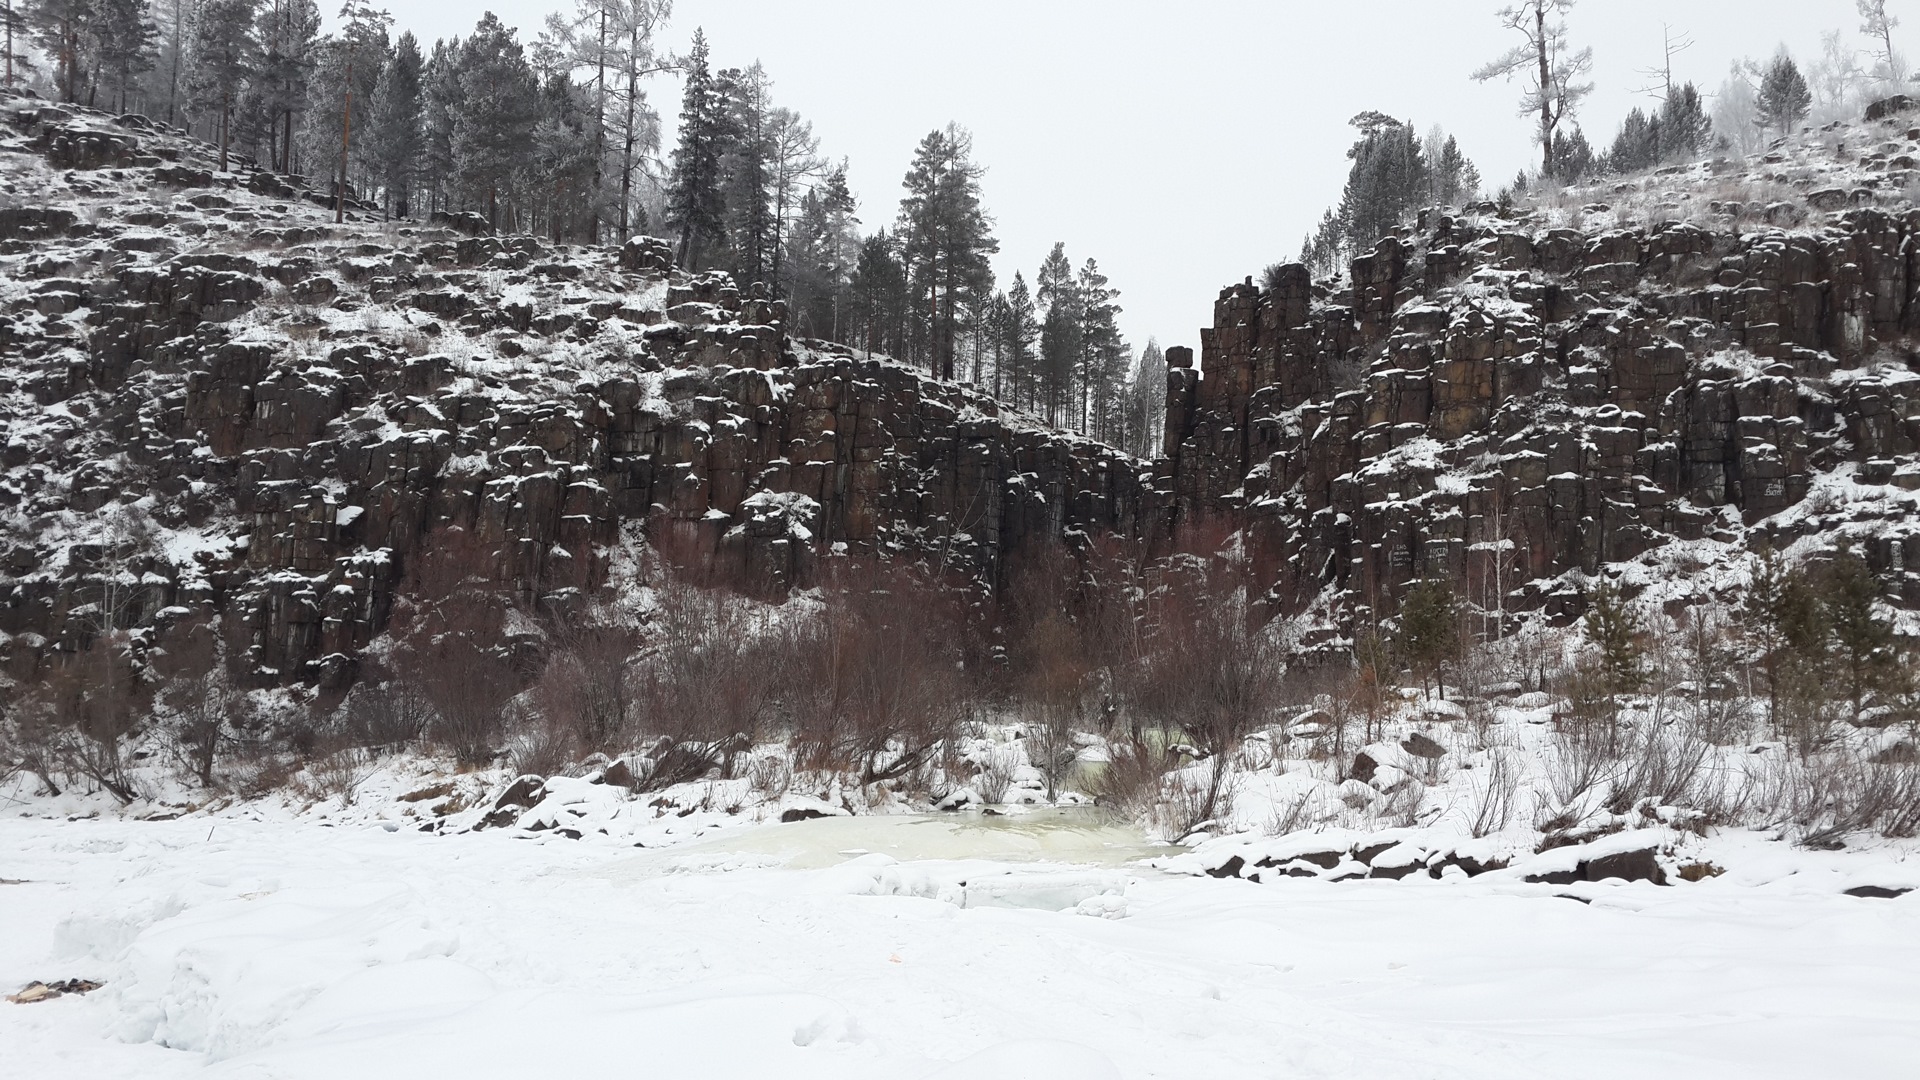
(497, 107)
(13, 37)
(224, 62)
(1429, 631)
(1862, 638)
(396, 137)
(746, 185)
(1020, 333)
(123, 49)
(59, 29)
(289, 35)
(1784, 97)
(695, 205)
(880, 295)
(947, 238)
(1613, 627)
(1058, 302)
(439, 103)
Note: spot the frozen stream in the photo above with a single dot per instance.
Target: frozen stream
(1070, 835)
(912, 949)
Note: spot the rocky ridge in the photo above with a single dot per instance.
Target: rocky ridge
(1646, 378)
(215, 398)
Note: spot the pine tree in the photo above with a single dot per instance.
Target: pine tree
(695, 204)
(1058, 302)
(1784, 98)
(123, 48)
(439, 94)
(1862, 638)
(13, 35)
(1101, 349)
(225, 60)
(59, 29)
(1429, 631)
(1451, 178)
(288, 32)
(1552, 69)
(175, 19)
(1686, 132)
(948, 238)
(1764, 610)
(1571, 159)
(1613, 627)
(493, 121)
(880, 296)
(396, 137)
(563, 157)
(1020, 334)
(746, 184)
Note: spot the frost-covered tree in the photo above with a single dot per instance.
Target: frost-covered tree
(1736, 109)
(1784, 98)
(1572, 159)
(123, 49)
(59, 29)
(340, 97)
(1551, 70)
(13, 36)
(1878, 26)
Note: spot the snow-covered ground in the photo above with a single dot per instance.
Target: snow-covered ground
(289, 949)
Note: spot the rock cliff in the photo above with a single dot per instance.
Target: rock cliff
(216, 399)
(1647, 378)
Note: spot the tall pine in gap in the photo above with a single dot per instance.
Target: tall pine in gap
(948, 238)
(694, 203)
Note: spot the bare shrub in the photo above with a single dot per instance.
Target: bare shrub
(544, 745)
(1839, 792)
(710, 678)
(1495, 791)
(450, 634)
(1129, 783)
(874, 682)
(338, 774)
(1186, 804)
(388, 714)
(1212, 669)
(588, 683)
(993, 774)
(1298, 815)
(770, 776)
(1402, 806)
(1663, 764)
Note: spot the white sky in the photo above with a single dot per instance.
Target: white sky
(1184, 145)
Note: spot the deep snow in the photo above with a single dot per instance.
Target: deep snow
(282, 949)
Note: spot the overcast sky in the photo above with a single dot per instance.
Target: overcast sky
(1184, 145)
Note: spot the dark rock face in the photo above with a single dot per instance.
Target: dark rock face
(288, 417)
(1501, 403)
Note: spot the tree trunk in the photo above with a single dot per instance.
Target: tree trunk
(346, 139)
(1546, 87)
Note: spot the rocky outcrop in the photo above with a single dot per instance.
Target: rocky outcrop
(243, 408)
(1514, 405)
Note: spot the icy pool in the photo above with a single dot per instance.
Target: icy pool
(1078, 835)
